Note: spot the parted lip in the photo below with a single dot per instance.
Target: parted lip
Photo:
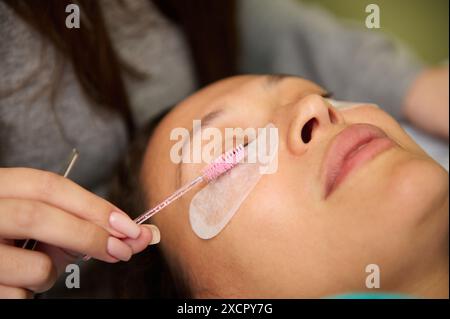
(351, 148)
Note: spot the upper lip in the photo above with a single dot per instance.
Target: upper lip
(348, 140)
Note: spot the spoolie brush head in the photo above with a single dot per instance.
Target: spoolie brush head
(223, 163)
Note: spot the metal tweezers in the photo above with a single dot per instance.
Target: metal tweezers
(30, 244)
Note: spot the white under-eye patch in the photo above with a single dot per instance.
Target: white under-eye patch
(346, 104)
(213, 206)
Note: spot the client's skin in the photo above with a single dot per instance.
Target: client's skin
(287, 239)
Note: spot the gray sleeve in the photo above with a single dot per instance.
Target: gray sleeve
(356, 64)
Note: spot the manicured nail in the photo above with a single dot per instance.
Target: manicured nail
(118, 249)
(156, 235)
(123, 224)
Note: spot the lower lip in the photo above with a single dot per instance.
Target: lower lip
(357, 158)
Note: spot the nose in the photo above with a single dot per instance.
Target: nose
(311, 118)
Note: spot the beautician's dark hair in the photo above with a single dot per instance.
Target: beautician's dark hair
(211, 31)
(209, 27)
(88, 48)
(148, 274)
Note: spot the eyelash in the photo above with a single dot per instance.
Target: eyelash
(327, 95)
(245, 146)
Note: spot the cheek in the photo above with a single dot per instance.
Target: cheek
(274, 214)
(418, 188)
(283, 206)
(281, 237)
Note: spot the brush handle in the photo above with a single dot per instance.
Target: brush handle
(180, 192)
(218, 167)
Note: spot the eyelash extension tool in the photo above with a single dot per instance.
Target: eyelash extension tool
(217, 168)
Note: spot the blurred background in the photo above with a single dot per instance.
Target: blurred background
(420, 24)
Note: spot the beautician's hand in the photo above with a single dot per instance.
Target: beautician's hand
(427, 103)
(67, 220)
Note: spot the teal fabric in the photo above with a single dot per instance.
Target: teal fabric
(371, 296)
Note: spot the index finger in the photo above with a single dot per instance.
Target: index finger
(55, 190)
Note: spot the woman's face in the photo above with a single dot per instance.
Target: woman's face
(295, 235)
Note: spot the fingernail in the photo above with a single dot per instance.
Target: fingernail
(123, 224)
(118, 249)
(156, 235)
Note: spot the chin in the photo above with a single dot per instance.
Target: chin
(419, 188)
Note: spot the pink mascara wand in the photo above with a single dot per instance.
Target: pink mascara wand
(217, 168)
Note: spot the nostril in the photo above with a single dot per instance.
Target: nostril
(332, 116)
(307, 130)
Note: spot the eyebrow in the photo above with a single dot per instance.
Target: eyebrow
(275, 79)
(211, 116)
